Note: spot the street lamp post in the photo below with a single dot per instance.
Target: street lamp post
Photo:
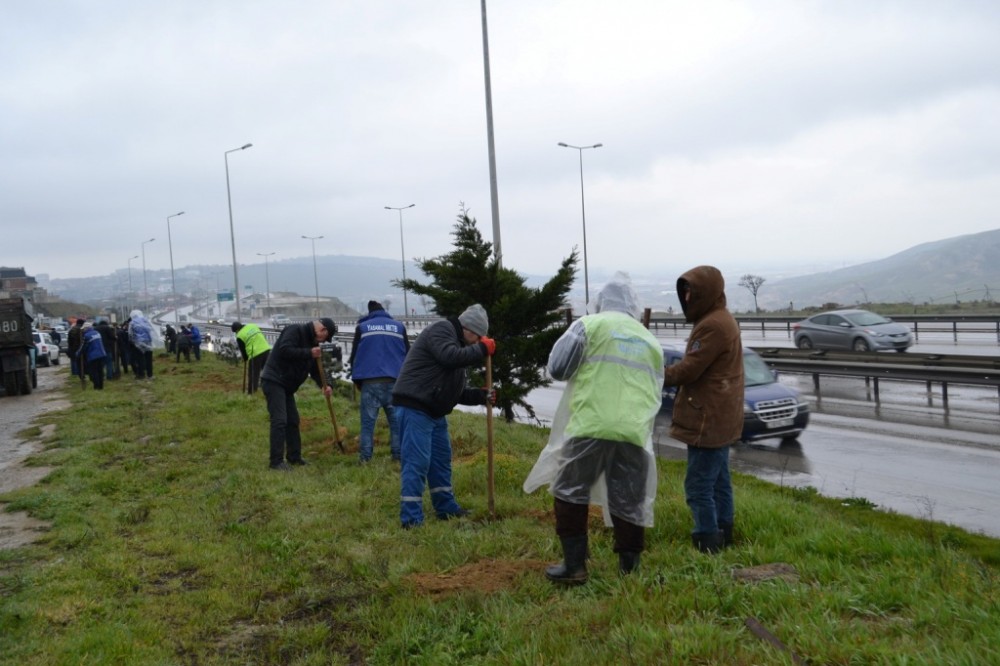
(491, 150)
(267, 278)
(315, 274)
(130, 276)
(232, 235)
(145, 289)
(173, 285)
(406, 308)
(583, 212)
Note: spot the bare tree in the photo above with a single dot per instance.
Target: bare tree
(752, 283)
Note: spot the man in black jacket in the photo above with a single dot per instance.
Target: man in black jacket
(430, 384)
(292, 359)
(75, 336)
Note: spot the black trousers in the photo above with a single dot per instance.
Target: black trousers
(286, 441)
(254, 367)
(95, 370)
(571, 521)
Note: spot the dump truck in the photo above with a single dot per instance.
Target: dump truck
(17, 348)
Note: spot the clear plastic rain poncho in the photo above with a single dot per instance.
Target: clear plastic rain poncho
(618, 300)
(142, 333)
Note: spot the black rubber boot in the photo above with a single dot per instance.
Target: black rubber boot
(573, 569)
(628, 562)
(727, 534)
(707, 543)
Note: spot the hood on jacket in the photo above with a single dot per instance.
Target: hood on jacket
(707, 292)
(619, 296)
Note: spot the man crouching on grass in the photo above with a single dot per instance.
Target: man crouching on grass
(290, 362)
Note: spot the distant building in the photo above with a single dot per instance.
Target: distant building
(16, 282)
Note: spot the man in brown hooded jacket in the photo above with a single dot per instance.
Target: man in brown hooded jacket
(708, 409)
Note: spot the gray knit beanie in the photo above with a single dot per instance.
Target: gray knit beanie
(474, 318)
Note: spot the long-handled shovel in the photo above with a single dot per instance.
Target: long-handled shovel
(329, 403)
(489, 437)
(81, 356)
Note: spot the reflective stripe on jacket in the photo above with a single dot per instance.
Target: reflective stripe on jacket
(620, 353)
(381, 347)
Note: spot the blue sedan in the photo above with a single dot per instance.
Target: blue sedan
(771, 409)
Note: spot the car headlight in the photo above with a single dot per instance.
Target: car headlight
(875, 334)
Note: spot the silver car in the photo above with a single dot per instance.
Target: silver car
(855, 330)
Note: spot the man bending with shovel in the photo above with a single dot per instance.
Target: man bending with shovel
(290, 362)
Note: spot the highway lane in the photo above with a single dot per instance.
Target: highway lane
(930, 473)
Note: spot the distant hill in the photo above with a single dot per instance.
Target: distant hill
(353, 280)
(966, 266)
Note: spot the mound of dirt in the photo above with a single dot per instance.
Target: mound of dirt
(482, 576)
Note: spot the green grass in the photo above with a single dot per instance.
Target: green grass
(171, 543)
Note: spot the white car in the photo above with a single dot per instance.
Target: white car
(46, 351)
(279, 321)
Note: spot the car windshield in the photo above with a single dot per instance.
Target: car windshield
(866, 319)
(755, 371)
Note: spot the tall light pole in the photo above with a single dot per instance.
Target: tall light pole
(406, 308)
(494, 197)
(145, 290)
(173, 285)
(267, 277)
(583, 212)
(315, 274)
(130, 276)
(232, 235)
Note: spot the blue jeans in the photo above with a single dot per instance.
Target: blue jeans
(708, 489)
(376, 395)
(426, 450)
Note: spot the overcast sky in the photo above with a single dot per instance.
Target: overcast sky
(749, 135)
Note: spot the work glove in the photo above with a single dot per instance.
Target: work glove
(489, 345)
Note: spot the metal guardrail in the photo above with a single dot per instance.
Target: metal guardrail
(872, 366)
(964, 370)
(955, 325)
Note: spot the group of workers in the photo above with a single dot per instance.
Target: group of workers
(600, 447)
(102, 350)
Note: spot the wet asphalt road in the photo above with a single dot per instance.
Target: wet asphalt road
(918, 471)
